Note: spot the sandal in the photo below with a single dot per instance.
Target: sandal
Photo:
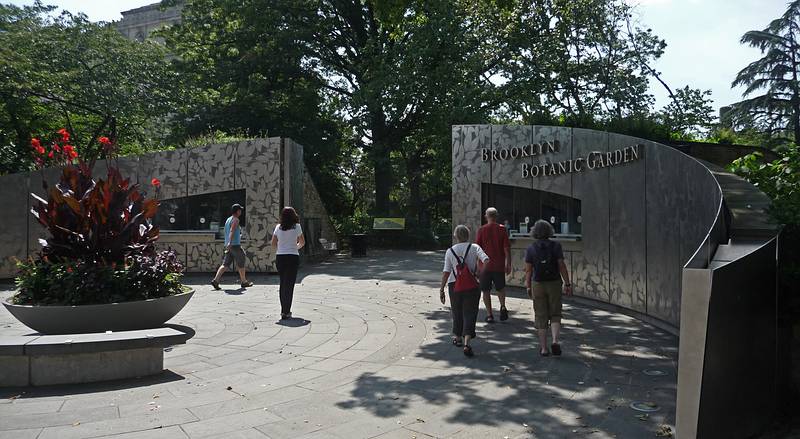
(503, 314)
(489, 319)
(544, 354)
(457, 341)
(556, 348)
(468, 351)
(246, 284)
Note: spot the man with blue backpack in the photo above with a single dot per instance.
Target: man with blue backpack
(544, 271)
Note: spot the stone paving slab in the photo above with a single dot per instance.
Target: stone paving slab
(367, 356)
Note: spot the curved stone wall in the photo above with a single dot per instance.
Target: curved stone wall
(642, 220)
(662, 234)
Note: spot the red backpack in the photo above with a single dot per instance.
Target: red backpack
(465, 279)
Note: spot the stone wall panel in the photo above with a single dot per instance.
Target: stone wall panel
(591, 267)
(211, 168)
(627, 226)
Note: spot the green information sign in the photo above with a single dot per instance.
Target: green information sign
(389, 224)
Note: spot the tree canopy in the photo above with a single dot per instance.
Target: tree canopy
(773, 79)
(369, 87)
(68, 72)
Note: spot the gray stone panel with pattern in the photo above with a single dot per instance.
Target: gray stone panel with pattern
(207, 256)
(591, 267)
(296, 170)
(664, 264)
(258, 171)
(627, 209)
(508, 171)
(14, 219)
(167, 166)
(469, 171)
(211, 168)
(559, 184)
(315, 208)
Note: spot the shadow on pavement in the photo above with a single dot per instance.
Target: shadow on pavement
(294, 322)
(76, 389)
(586, 390)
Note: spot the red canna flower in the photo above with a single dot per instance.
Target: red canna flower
(37, 146)
(64, 134)
(155, 182)
(69, 269)
(70, 152)
(104, 140)
(50, 155)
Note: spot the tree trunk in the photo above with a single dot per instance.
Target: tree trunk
(384, 177)
(414, 175)
(381, 161)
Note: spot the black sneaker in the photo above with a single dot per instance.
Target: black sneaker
(503, 314)
(215, 284)
(247, 284)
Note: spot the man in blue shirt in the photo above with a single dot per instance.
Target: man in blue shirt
(234, 255)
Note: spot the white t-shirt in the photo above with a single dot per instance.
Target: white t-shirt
(287, 240)
(450, 261)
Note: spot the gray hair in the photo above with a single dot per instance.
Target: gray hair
(542, 230)
(491, 212)
(461, 233)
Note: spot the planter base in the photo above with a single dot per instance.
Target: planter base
(37, 360)
(123, 316)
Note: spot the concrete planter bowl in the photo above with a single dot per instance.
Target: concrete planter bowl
(124, 316)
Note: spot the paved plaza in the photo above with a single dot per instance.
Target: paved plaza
(368, 354)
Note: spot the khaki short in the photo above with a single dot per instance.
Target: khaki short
(546, 303)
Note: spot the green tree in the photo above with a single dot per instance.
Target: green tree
(395, 66)
(68, 72)
(689, 115)
(243, 72)
(776, 111)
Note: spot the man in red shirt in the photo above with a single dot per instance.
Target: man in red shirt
(493, 239)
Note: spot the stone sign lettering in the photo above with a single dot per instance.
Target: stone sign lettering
(593, 160)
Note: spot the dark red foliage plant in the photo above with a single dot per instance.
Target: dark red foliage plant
(101, 227)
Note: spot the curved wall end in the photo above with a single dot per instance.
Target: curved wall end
(668, 238)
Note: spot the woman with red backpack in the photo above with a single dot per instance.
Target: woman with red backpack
(461, 264)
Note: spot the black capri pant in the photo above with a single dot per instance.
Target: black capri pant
(287, 270)
(464, 308)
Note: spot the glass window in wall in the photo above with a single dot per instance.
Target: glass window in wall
(516, 204)
(206, 212)
(171, 214)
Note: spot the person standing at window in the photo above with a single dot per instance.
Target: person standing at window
(234, 255)
(287, 240)
(544, 271)
(493, 239)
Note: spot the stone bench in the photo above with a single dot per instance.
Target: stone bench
(40, 360)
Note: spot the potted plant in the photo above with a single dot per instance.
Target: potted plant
(98, 270)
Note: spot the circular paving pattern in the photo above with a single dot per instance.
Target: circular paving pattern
(367, 355)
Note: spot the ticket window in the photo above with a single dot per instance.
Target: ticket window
(516, 204)
(206, 212)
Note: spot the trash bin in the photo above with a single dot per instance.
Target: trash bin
(358, 245)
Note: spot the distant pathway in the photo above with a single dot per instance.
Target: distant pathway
(368, 355)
